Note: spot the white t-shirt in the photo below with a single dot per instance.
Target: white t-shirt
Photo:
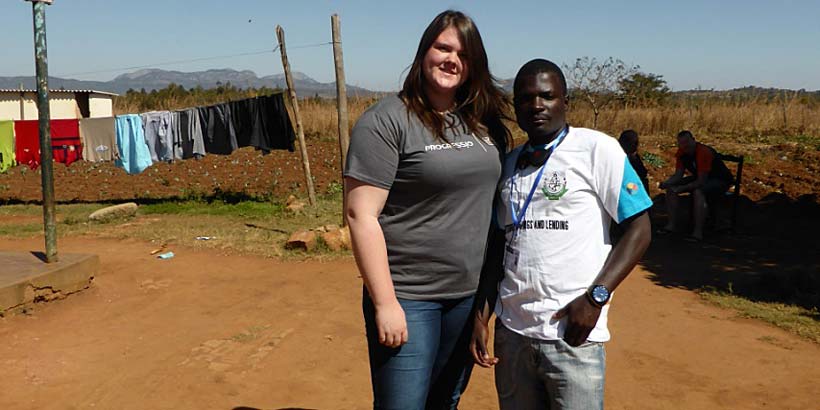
(563, 239)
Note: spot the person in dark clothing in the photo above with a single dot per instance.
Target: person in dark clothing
(629, 143)
(709, 177)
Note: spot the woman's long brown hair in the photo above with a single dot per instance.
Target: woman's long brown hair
(480, 103)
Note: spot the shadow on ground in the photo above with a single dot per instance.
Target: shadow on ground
(772, 256)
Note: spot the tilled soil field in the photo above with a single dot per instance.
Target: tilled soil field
(789, 169)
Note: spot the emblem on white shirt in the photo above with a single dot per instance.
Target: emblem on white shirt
(555, 186)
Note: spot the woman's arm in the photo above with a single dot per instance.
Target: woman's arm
(364, 204)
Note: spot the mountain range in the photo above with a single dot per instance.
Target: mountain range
(155, 79)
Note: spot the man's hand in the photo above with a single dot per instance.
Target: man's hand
(391, 325)
(478, 344)
(581, 316)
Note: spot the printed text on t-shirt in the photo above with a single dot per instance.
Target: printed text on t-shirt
(438, 147)
(551, 224)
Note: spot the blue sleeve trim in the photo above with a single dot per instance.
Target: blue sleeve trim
(633, 197)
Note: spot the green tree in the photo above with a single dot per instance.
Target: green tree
(642, 89)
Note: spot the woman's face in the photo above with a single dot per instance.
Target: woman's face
(444, 66)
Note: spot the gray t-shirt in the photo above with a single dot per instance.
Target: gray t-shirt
(437, 214)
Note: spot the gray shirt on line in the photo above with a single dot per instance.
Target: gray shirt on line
(437, 214)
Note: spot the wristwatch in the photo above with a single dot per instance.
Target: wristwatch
(598, 295)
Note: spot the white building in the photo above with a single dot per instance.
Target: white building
(21, 104)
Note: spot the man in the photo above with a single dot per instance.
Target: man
(557, 196)
(629, 142)
(709, 177)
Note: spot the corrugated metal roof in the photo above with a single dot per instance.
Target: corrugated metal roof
(17, 90)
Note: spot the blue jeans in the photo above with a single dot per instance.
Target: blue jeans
(432, 369)
(547, 374)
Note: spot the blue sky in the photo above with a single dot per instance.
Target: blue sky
(708, 44)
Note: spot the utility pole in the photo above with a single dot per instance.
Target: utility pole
(300, 132)
(44, 110)
(341, 97)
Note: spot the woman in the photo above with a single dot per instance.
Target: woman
(421, 173)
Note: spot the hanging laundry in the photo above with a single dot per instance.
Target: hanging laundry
(134, 155)
(189, 134)
(276, 123)
(99, 139)
(246, 121)
(160, 133)
(66, 146)
(27, 143)
(263, 123)
(220, 137)
(7, 145)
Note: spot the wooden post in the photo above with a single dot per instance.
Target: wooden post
(300, 133)
(341, 98)
(44, 116)
(22, 102)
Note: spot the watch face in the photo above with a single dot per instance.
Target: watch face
(600, 294)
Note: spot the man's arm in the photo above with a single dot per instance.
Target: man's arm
(581, 314)
(672, 180)
(491, 274)
(697, 183)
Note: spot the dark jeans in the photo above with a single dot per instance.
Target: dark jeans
(432, 369)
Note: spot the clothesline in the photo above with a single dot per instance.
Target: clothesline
(135, 141)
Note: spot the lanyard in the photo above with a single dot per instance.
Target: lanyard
(518, 217)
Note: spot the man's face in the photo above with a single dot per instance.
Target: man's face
(687, 145)
(540, 105)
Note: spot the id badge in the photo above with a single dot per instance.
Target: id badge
(511, 256)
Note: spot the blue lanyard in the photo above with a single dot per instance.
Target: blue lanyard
(519, 217)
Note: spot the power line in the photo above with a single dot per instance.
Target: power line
(193, 60)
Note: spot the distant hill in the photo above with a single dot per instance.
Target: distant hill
(155, 79)
(750, 92)
(744, 92)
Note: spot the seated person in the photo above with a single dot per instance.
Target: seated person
(709, 177)
(629, 143)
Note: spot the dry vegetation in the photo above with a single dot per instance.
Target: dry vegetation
(703, 113)
(726, 121)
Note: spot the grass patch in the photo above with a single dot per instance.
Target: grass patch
(795, 319)
(71, 219)
(251, 227)
(20, 230)
(244, 209)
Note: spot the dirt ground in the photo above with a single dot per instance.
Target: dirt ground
(211, 331)
(206, 330)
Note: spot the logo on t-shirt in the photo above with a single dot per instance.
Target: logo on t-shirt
(555, 186)
(632, 188)
(456, 145)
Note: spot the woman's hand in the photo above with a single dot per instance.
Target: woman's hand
(391, 324)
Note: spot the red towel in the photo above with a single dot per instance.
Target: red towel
(27, 143)
(65, 141)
